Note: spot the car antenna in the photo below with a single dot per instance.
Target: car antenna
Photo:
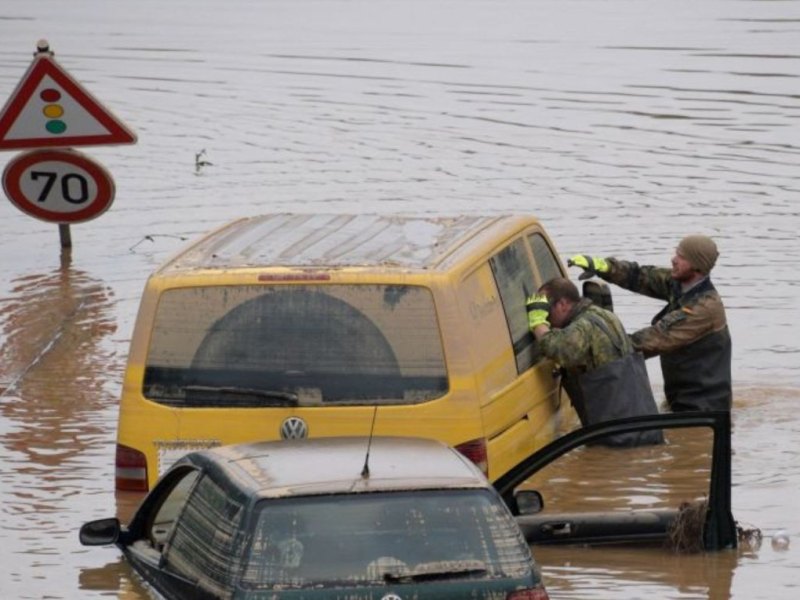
(365, 470)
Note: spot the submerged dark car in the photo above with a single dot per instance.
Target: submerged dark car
(315, 519)
(318, 519)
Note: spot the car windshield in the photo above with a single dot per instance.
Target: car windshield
(295, 345)
(378, 538)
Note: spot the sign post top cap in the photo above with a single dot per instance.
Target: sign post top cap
(42, 46)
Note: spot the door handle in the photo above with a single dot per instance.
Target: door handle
(557, 529)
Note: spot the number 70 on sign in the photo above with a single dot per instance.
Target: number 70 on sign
(59, 186)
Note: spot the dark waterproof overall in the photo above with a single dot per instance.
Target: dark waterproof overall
(615, 390)
(698, 375)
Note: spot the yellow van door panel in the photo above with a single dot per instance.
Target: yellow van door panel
(526, 436)
(517, 410)
(535, 389)
(506, 451)
(544, 420)
(484, 323)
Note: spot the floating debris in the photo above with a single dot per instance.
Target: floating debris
(749, 536)
(686, 531)
(780, 540)
(149, 238)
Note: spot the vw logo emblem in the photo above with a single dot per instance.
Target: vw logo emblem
(391, 597)
(294, 428)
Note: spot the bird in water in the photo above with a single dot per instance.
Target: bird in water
(200, 162)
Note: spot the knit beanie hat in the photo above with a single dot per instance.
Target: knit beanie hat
(700, 251)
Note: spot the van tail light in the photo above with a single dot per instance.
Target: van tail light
(130, 470)
(475, 450)
(537, 593)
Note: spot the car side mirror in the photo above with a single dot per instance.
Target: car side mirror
(529, 502)
(100, 533)
(599, 293)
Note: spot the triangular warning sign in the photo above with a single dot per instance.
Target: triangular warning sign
(49, 108)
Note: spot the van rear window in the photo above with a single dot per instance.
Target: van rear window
(298, 345)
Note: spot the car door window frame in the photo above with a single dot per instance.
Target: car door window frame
(547, 264)
(513, 294)
(216, 516)
(719, 531)
(144, 521)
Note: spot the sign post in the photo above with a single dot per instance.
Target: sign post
(49, 109)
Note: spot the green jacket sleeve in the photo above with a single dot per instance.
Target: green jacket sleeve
(655, 282)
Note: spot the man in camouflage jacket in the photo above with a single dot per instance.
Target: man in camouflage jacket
(690, 334)
(576, 340)
(604, 376)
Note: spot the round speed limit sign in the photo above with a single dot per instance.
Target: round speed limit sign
(59, 186)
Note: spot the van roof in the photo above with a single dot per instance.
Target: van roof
(334, 465)
(343, 240)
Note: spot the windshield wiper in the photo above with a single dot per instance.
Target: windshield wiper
(275, 397)
(450, 569)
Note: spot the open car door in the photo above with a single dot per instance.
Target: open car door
(578, 490)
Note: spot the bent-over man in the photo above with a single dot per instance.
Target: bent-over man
(604, 376)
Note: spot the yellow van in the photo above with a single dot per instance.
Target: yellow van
(292, 326)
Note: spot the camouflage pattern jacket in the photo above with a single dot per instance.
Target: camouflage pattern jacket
(582, 346)
(690, 335)
(604, 378)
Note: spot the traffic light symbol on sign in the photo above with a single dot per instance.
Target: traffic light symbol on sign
(53, 111)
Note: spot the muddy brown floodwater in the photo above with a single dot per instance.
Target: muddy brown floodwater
(623, 125)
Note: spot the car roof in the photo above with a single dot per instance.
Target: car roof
(334, 465)
(343, 240)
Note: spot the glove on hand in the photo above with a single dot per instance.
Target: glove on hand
(591, 266)
(538, 307)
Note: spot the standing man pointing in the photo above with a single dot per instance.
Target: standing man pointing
(690, 334)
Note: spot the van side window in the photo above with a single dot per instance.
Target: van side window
(545, 259)
(515, 282)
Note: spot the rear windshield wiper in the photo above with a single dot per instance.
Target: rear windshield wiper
(450, 569)
(269, 397)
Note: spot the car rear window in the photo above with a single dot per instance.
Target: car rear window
(374, 538)
(305, 345)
